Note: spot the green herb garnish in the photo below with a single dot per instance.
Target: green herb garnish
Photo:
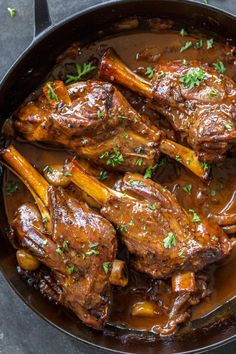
(81, 70)
(153, 206)
(150, 72)
(11, 11)
(138, 149)
(195, 218)
(139, 161)
(123, 228)
(181, 254)
(68, 174)
(71, 270)
(11, 187)
(192, 78)
(199, 44)
(210, 43)
(213, 192)
(213, 92)
(105, 266)
(169, 241)
(205, 166)
(52, 95)
(103, 175)
(100, 114)
(116, 158)
(229, 125)
(219, 66)
(188, 188)
(186, 46)
(183, 32)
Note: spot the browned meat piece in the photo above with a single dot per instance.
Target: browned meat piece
(198, 102)
(95, 120)
(160, 235)
(79, 248)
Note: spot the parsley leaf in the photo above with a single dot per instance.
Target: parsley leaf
(105, 266)
(153, 206)
(186, 46)
(11, 187)
(210, 43)
(219, 66)
(81, 70)
(192, 78)
(199, 44)
(229, 125)
(139, 161)
(52, 95)
(195, 218)
(11, 11)
(188, 188)
(103, 175)
(183, 32)
(149, 171)
(116, 158)
(150, 72)
(169, 241)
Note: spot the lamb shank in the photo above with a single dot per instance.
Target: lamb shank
(199, 102)
(94, 119)
(75, 242)
(160, 235)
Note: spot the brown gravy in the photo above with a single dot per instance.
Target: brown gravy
(139, 50)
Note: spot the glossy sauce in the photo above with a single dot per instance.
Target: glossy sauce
(140, 50)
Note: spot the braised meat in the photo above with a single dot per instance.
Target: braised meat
(199, 102)
(160, 235)
(95, 120)
(79, 248)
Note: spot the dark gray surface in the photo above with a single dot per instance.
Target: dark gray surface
(22, 331)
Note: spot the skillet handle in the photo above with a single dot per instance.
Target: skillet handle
(42, 19)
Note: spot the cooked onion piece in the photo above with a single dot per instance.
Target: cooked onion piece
(26, 260)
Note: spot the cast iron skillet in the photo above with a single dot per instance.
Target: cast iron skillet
(24, 76)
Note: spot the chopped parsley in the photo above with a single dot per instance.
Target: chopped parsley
(214, 238)
(178, 158)
(81, 70)
(125, 135)
(213, 192)
(92, 245)
(169, 241)
(45, 242)
(229, 125)
(52, 95)
(65, 245)
(188, 188)
(219, 66)
(131, 182)
(195, 218)
(153, 206)
(161, 74)
(71, 270)
(138, 149)
(150, 72)
(183, 32)
(59, 251)
(192, 78)
(103, 175)
(213, 92)
(11, 187)
(123, 228)
(205, 166)
(92, 252)
(131, 223)
(104, 154)
(105, 266)
(100, 114)
(139, 161)
(199, 44)
(68, 174)
(149, 171)
(11, 11)
(181, 254)
(140, 184)
(48, 169)
(186, 46)
(116, 158)
(210, 43)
